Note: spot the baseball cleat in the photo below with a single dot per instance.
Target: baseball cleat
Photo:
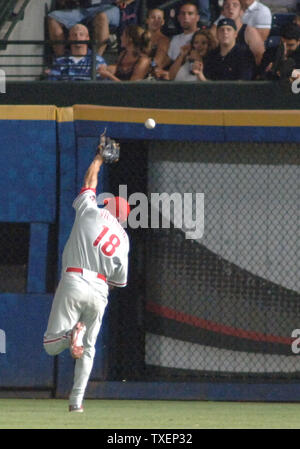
(76, 408)
(76, 345)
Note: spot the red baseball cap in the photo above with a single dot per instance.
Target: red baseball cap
(118, 207)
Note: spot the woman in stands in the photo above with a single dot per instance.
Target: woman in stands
(189, 58)
(133, 63)
(159, 42)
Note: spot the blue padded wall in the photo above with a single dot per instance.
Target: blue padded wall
(24, 318)
(28, 183)
(37, 264)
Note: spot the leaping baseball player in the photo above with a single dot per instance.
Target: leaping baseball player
(94, 260)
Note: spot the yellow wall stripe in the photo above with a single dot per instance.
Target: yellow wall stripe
(262, 118)
(284, 118)
(28, 112)
(290, 118)
(139, 115)
(65, 114)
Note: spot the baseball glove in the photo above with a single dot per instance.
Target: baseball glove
(109, 149)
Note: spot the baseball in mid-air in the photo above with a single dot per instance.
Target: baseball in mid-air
(150, 123)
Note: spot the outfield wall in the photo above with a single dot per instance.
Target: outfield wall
(45, 151)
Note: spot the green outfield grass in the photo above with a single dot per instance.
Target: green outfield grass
(123, 414)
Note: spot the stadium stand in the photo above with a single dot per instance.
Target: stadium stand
(131, 14)
(278, 20)
(11, 11)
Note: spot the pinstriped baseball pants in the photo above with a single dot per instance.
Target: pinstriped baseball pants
(77, 298)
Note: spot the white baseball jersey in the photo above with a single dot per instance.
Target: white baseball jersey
(258, 15)
(97, 241)
(178, 41)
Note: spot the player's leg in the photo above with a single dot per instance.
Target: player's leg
(65, 314)
(92, 317)
(76, 342)
(55, 345)
(83, 368)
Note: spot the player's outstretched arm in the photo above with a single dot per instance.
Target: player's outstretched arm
(91, 176)
(108, 152)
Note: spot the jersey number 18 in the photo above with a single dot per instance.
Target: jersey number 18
(109, 246)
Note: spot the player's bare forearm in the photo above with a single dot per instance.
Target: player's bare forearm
(91, 176)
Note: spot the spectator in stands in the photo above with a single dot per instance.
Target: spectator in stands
(297, 14)
(102, 13)
(204, 11)
(279, 62)
(281, 6)
(229, 61)
(232, 10)
(133, 63)
(290, 35)
(257, 15)
(247, 36)
(189, 57)
(188, 18)
(215, 9)
(159, 42)
(78, 65)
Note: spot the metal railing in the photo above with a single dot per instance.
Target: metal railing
(47, 58)
(6, 9)
(9, 12)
